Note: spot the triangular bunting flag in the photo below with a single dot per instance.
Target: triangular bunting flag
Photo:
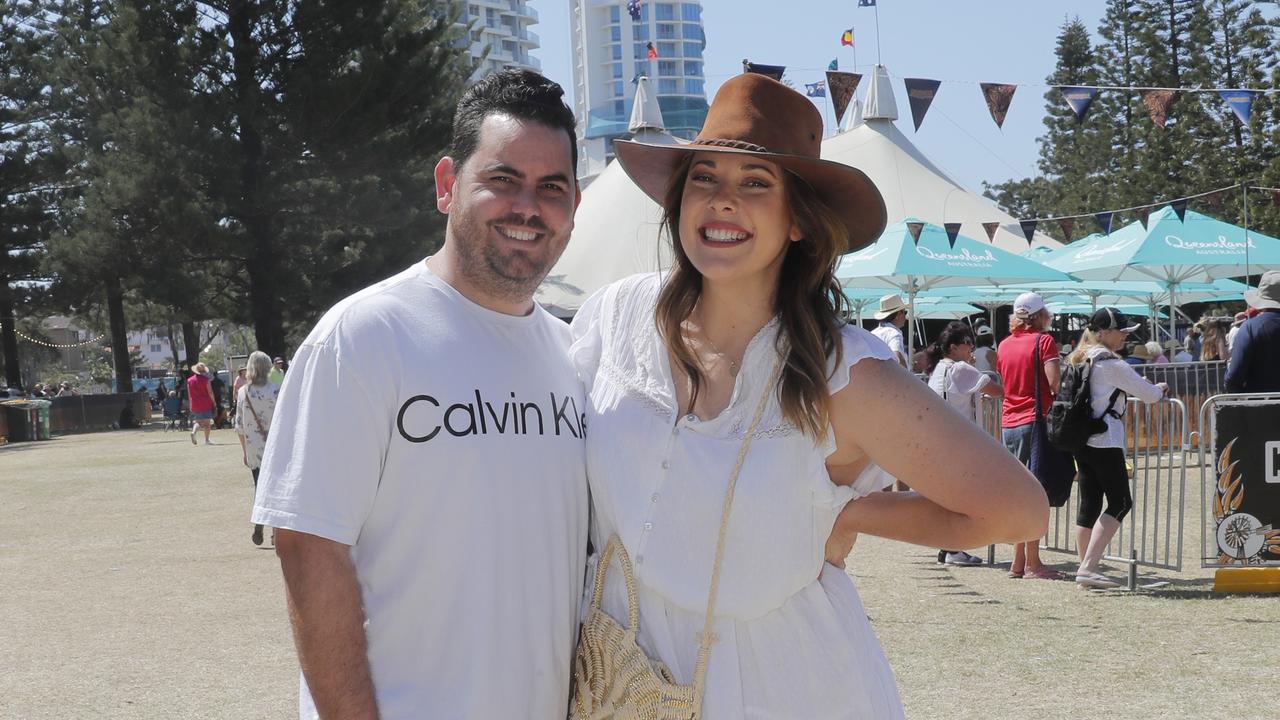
(920, 93)
(1067, 225)
(998, 97)
(1143, 213)
(842, 86)
(953, 231)
(1157, 104)
(835, 64)
(773, 71)
(1240, 102)
(1028, 229)
(1180, 209)
(991, 228)
(914, 228)
(1214, 199)
(1104, 221)
(1275, 198)
(1079, 98)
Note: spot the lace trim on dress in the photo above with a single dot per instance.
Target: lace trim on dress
(634, 389)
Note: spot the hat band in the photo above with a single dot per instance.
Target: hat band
(735, 144)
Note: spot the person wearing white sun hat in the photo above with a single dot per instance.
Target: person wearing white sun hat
(893, 317)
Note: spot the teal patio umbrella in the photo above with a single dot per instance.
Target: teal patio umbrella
(1170, 252)
(895, 261)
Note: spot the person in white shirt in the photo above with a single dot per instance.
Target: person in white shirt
(429, 427)
(958, 382)
(1101, 463)
(984, 352)
(1236, 321)
(893, 317)
(741, 348)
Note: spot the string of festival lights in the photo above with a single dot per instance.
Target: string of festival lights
(59, 346)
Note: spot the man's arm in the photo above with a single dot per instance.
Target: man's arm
(328, 624)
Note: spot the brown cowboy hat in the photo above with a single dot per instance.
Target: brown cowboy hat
(756, 115)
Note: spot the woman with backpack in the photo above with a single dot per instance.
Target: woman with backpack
(1101, 462)
(953, 376)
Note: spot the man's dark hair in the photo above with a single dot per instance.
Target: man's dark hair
(522, 94)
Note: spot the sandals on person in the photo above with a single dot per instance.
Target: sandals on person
(1015, 574)
(1043, 574)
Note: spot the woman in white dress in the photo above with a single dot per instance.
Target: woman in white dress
(255, 406)
(675, 368)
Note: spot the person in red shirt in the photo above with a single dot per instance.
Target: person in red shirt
(200, 397)
(1019, 372)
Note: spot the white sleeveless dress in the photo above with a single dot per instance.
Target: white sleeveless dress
(788, 643)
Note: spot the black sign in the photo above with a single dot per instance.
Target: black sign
(1246, 480)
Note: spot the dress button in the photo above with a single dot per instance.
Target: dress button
(666, 464)
(653, 497)
(648, 526)
(639, 559)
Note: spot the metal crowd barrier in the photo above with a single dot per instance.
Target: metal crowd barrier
(1192, 383)
(1158, 437)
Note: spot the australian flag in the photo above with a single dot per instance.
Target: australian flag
(866, 3)
(818, 89)
(633, 9)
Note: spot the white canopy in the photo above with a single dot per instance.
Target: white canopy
(911, 184)
(616, 231)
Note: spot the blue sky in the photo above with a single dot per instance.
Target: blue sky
(961, 43)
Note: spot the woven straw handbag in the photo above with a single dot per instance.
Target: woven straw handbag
(613, 678)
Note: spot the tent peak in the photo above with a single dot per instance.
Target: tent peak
(880, 104)
(645, 112)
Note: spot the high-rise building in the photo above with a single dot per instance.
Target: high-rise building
(502, 28)
(610, 49)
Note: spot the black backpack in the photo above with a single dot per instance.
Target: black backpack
(1070, 421)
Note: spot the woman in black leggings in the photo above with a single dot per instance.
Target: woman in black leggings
(1101, 463)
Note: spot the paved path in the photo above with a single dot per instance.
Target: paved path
(129, 589)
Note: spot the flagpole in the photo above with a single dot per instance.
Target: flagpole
(1244, 200)
(878, 59)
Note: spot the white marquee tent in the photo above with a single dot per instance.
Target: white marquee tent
(616, 231)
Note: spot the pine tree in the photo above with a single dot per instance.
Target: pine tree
(1073, 155)
(26, 166)
(328, 119)
(1121, 58)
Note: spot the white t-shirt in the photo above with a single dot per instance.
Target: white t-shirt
(444, 442)
(984, 359)
(958, 383)
(1108, 375)
(892, 336)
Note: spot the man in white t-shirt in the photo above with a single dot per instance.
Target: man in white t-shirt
(893, 317)
(425, 469)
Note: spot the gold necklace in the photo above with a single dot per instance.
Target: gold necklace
(733, 364)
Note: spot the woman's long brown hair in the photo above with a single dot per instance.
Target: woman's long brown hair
(809, 301)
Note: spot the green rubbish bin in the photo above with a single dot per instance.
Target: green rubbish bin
(24, 420)
(42, 420)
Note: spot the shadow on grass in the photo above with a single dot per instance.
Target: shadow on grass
(16, 447)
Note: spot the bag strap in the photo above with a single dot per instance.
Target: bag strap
(614, 547)
(1115, 394)
(1036, 369)
(253, 412)
(704, 644)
